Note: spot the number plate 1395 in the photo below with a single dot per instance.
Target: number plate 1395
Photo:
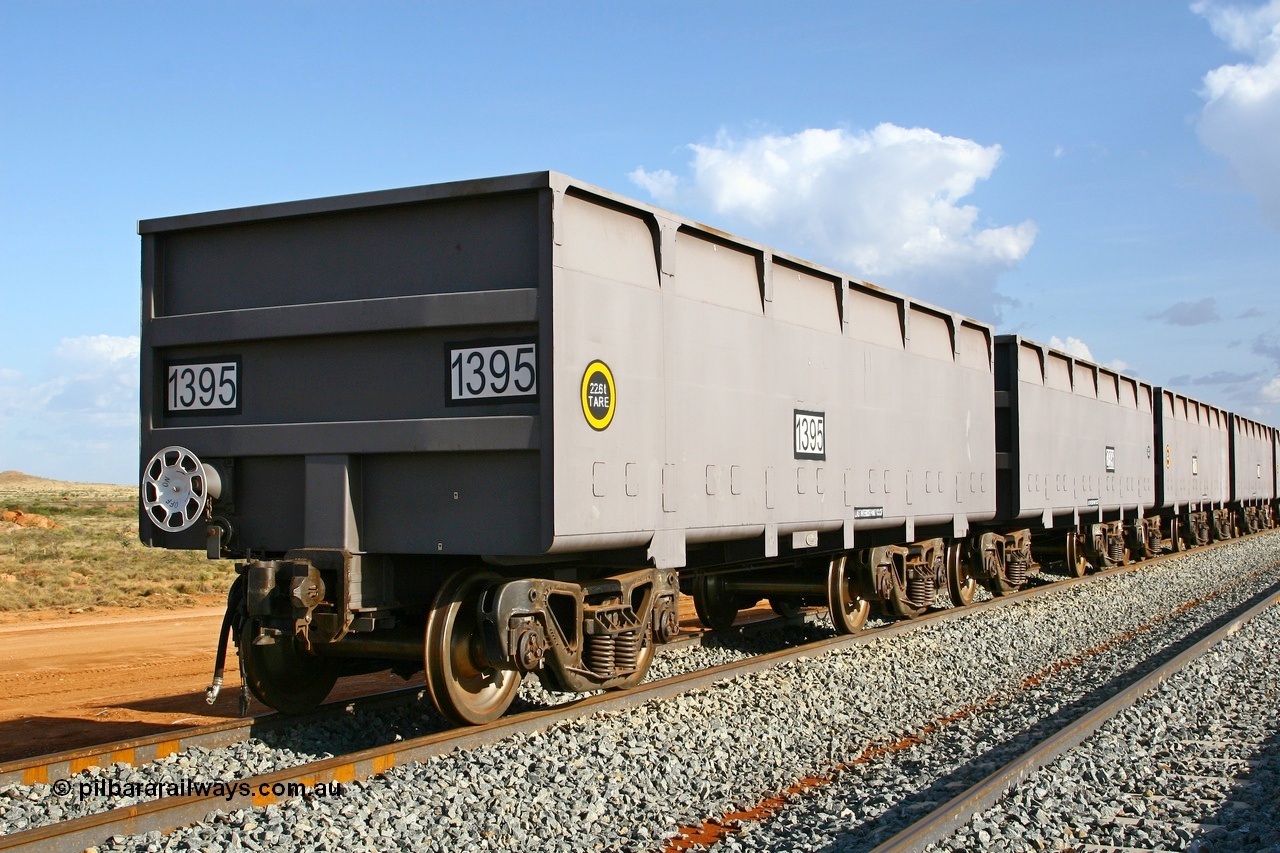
(810, 435)
(493, 371)
(212, 387)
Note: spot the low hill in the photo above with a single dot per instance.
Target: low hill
(18, 483)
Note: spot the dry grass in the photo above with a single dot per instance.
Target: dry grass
(93, 556)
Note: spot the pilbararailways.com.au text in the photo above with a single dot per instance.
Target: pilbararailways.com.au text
(190, 788)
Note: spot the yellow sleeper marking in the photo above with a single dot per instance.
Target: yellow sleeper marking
(383, 763)
(167, 747)
(35, 776)
(122, 756)
(345, 773)
(81, 764)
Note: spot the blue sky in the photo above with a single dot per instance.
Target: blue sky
(1104, 174)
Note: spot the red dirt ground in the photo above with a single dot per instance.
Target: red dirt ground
(68, 681)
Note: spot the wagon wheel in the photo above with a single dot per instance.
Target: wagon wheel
(849, 607)
(466, 688)
(283, 676)
(961, 583)
(1077, 564)
(716, 607)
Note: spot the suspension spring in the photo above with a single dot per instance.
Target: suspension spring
(627, 651)
(600, 654)
(1016, 568)
(1115, 550)
(921, 589)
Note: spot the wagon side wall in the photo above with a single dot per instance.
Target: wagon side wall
(1078, 438)
(1253, 475)
(1193, 444)
(721, 355)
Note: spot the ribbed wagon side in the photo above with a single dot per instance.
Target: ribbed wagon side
(1193, 470)
(1253, 474)
(1075, 454)
(765, 411)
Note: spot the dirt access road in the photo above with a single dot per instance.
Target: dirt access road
(77, 680)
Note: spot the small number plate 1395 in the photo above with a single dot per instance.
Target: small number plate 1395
(810, 435)
(197, 388)
(494, 371)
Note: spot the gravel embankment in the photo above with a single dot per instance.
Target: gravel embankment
(628, 780)
(1194, 765)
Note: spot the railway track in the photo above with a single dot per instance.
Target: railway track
(162, 815)
(944, 821)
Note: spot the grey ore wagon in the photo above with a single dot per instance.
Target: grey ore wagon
(492, 427)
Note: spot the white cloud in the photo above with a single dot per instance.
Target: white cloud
(1271, 391)
(1241, 117)
(884, 204)
(81, 421)
(660, 184)
(1120, 366)
(1072, 346)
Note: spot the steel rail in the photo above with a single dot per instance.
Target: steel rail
(948, 818)
(169, 813)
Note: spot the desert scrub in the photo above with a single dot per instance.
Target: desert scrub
(93, 556)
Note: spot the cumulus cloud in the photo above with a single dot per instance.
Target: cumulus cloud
(1119, 365)
(1072, 346)
(1271, 391)
(885, 204)
(80, 421)
(1079, 349)
(1189, 313)
(1241, 116)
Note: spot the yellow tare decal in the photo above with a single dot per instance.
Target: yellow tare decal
(598, 397)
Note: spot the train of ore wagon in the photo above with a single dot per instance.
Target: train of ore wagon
(494, 427)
